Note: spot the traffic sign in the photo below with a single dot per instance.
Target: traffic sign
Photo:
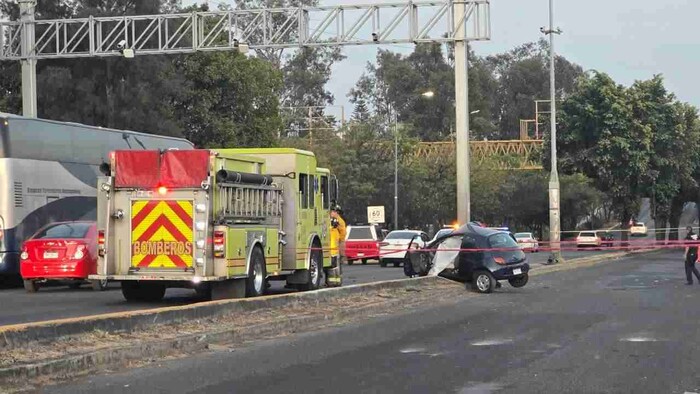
(375, 214)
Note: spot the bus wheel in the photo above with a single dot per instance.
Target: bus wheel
(255, 284)
(31, 286)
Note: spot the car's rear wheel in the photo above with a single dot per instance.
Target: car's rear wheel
(364, 261)
(351, 262)
(483, 282)
(382, 263)
(519, 281)
(31, 286)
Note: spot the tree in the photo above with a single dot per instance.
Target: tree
(523, 77)
(305, 71)
(228, 100)
(394, 85)
(598, 134)
(580, 201)
(653, 108)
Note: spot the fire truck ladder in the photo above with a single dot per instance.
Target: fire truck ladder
(243, 203)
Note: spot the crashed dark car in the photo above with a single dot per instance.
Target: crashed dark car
(472, 254)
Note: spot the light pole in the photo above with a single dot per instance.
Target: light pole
(396, 170)
(554, 214)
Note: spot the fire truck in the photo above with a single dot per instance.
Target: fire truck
(224, 222)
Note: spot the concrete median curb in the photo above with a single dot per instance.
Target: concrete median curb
(19, 335)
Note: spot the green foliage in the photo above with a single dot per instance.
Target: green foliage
(635, 142)
(601, 138)
(228, 100)
(523, 77)
(502, 89)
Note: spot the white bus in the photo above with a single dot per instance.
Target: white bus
(49, 173)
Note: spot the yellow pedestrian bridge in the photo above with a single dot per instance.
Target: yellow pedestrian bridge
(505, 155)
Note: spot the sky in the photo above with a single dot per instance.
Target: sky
(628, 39)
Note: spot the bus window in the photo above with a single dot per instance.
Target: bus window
(304, 191)
(325, 196)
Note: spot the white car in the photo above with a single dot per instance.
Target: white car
(527, 242)
(588, 238)
(442, 232)
(639, 229)
(394, 247)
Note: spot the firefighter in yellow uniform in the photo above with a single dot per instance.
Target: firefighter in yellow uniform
(337, 233)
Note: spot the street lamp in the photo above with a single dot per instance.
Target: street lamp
(554, 218)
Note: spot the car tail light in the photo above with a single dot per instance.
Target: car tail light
(219, 243)
(79, 252)
(499, 260)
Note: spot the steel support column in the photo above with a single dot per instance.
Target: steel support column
(462, 114)
(26, 9)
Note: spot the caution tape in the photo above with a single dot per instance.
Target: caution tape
(624, 246)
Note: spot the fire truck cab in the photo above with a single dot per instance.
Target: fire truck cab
(222, 221)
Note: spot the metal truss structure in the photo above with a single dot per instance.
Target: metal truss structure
(505, 155)
(406, 22)
(439, 21)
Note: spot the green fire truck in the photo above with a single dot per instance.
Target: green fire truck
(224, 222)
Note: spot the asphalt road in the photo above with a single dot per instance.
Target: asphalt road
(627, 326)
(56, 302)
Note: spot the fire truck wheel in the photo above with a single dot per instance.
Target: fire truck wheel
(99, 285)
(134, 291)
(204, 292)
(255, 284)
(315, 272)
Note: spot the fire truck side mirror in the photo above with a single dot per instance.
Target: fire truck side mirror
(336, 189)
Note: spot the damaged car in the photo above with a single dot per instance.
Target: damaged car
(472, 254)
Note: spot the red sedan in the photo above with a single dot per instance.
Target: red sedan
(61, 251)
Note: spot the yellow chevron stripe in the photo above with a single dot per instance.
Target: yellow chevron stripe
(162, 209)
(186, 206)
(137, 206)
